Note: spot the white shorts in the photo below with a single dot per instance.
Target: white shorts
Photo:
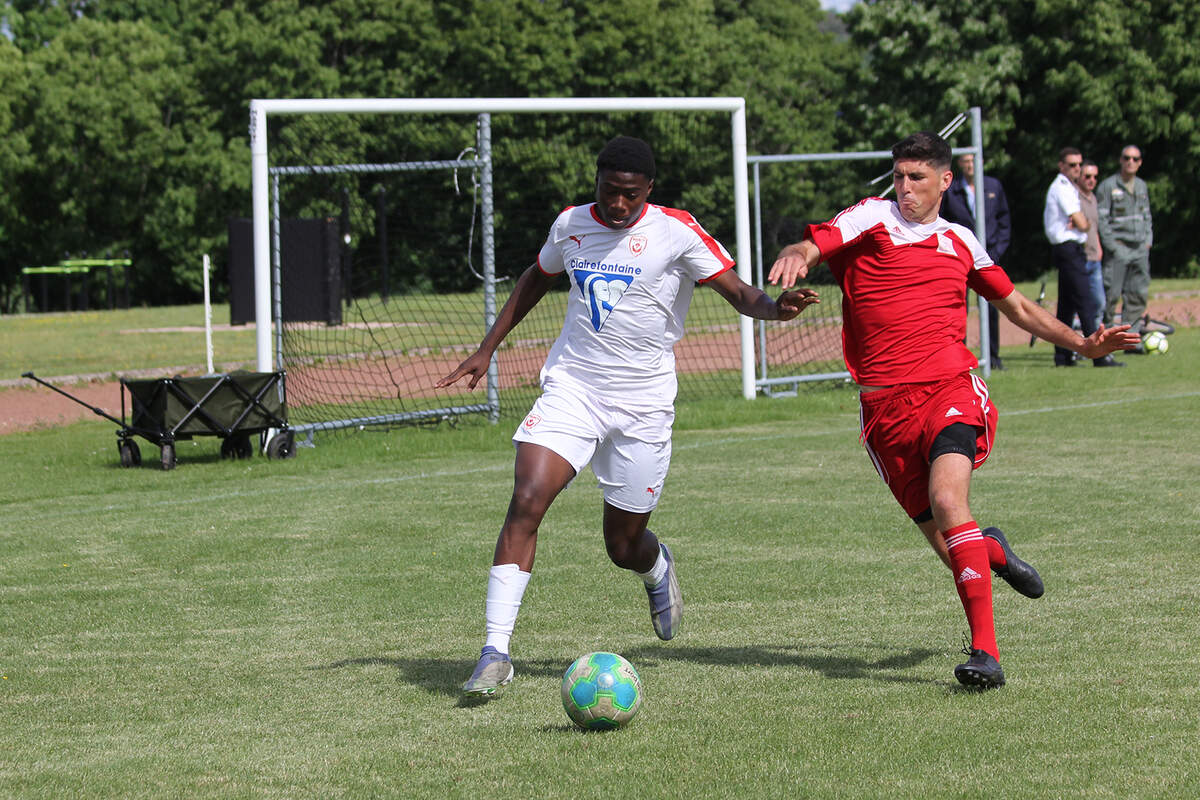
(629, 450)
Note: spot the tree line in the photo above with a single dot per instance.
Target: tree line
(123, 125)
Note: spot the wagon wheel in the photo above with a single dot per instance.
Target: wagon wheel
(131, 456)
(168, 455)
(282, 445)
(227, 448)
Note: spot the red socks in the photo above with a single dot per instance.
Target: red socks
(995, 552)
(970, 563)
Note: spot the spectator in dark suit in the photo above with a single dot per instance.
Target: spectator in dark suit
(958, 205)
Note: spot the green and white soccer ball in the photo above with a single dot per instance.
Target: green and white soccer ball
(1155, 343)
(601, 691)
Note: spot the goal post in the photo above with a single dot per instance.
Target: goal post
(261, 110)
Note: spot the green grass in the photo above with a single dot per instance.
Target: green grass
(114, 342)
(300, 628)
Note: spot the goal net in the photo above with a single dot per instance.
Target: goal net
(431, 209)
(426, 211)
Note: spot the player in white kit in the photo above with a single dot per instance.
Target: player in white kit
(608, 384)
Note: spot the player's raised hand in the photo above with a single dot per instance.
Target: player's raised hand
(790, 304)
(793, 263)
(1108, 340)
(476, 365)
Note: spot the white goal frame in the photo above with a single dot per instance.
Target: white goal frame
(260, 109)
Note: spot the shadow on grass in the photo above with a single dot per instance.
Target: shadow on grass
(444, 676)
(816, 658)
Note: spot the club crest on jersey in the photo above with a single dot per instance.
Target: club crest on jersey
(602, 291)
(637, 244)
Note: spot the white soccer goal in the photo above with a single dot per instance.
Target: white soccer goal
(271, 182)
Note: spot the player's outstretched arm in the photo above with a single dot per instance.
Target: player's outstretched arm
(1036, 320)
(530, 288)
(754, 302)
(793, 263)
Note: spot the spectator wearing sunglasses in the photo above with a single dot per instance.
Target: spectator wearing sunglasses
(1126, 234)
(1092, 251)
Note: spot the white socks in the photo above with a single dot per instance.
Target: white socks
(506, 587)
(657, 572)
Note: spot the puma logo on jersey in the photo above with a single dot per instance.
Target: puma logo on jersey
(602, 293)
(578, 240)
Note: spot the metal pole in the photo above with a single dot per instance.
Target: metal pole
(262, 243)
(985, 333)
(758, 268)
(208, 348)
(741, 206)
(489, 259)
(276, 293)
(381, 235)
(344, 249)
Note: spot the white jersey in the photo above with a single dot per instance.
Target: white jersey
(630, 292)
(1062, 200)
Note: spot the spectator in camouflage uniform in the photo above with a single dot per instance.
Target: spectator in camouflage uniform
(1123, 205)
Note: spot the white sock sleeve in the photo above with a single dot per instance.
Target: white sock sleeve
(506, 587)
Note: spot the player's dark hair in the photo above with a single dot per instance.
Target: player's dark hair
(923, 146)
(1068, 151)
(626, 154)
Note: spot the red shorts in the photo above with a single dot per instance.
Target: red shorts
(900, 423)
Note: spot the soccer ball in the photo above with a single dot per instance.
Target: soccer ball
(601, 691)
(1155, 343)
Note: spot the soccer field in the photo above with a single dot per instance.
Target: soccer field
(300, 628)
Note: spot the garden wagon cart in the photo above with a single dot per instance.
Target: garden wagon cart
(232, 406)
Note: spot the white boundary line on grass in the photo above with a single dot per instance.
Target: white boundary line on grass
(1122, 401)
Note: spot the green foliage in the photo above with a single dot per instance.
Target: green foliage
(124, 156)
(1046, 74)
(145, 137)
(123, 124)
(15, 150)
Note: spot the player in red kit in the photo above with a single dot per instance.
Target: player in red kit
(927, 421)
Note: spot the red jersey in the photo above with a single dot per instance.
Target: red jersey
(904, 298)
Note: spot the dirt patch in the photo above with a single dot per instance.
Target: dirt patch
(27, 407)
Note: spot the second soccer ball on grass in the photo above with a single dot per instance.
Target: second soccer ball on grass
(1155, 343)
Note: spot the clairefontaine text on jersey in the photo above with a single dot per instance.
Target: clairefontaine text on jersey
(600, 266)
